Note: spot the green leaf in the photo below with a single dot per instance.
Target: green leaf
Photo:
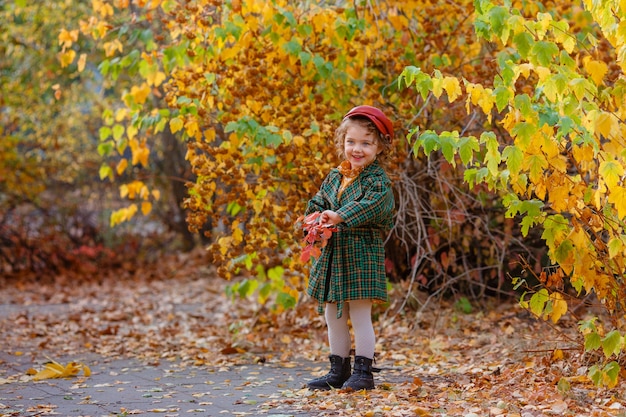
(524, 132)
(105, 171)
(538, 302)
(544, 52)
(429, 140)
(497, 17)
(503, 96)
(408, 75)
(105, 148)
(448, 142)
(563, 251)
(276, 273)
(104, 132)
(592, 341)
(523, 42)
(595, 375)
(514, 158)
(467, 147)
(292, 47)
(285, 300)
(492, 156)
(524, 104)
(612, 343)
(118, 131)
(611, 374)
(563, 386)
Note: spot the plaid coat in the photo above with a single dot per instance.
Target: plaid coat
(352, 265)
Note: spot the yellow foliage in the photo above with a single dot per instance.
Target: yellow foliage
(111, 47)
(596, 69)
(140, 152)
(176, 124)
(617, 197)
(54, 369)
(146, 207)
(82, 61)
(139, 94)
(559, 306)
(103, 8)
(67, 38)
(121, 166)
(67, 57)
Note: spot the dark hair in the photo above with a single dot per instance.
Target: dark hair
(364, 122)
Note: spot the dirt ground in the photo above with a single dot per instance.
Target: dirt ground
(496, 360)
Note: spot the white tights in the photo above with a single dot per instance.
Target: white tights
(360, 312)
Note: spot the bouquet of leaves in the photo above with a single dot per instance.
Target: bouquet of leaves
(316, 235)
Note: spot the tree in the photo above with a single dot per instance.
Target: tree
(252, 87)
(45, 126)
(555, 151)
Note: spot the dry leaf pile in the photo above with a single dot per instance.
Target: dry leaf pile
(436, 362)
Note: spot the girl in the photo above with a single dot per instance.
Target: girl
(349, 275)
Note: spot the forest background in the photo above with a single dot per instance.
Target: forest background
(135, 129)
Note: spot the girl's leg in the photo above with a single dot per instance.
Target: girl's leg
(338, 331)
(361, 318)
(365, 341)
(339, 341)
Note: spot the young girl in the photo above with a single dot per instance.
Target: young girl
(349, 275)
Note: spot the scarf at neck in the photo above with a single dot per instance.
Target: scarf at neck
(349, 174)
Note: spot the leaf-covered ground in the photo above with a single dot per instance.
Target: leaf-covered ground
(496, 361)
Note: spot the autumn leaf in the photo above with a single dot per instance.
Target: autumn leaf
(54, 369)
(316, 236)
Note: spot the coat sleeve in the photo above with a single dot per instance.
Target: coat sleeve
(375, 208)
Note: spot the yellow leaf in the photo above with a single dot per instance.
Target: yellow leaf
(155, 78)
(104, 9)
(124, 190)
(559, 307)
(67, 38)
(596, 69)
(437, 86)
(605, 123)
(559, 198)
(140, 94)
(615, 246)
(120, 114)
(612, 172)
(54, 369)
(121, 166)
(156, 194)
(191, 127)
(176, 124)
(617, 197)
(557, 355)
(452, 87)
(224, 243)
(67, 57)
(146, 207)
(82, 61)
(140, 152)
(111, 47)
(131, 131)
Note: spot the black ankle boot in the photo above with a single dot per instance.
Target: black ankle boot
(362, 377)
(339, 373)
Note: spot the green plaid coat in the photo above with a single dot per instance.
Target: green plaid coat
(352, 265)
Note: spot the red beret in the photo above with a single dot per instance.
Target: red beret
(376, 116)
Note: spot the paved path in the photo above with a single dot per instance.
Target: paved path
(128, 387)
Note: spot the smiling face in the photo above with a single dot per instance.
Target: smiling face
(360, 146)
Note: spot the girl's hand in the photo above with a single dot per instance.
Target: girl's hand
(330, 218)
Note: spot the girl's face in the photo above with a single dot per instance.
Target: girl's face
(360, 147)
